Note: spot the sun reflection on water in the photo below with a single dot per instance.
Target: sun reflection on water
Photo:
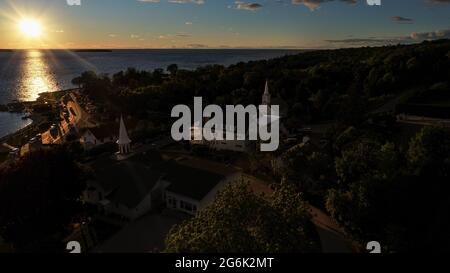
(37, 77)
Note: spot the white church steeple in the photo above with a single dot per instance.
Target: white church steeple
(124, 141)
(267, 98)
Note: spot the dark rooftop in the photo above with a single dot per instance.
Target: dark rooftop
(191, 182)
(129, 181)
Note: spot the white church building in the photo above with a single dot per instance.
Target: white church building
(235, 145)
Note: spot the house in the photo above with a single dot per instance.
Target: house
(105, 133)
(190, 189)
(128, 188)
(93, 137)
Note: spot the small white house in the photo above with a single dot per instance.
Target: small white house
(94, 137)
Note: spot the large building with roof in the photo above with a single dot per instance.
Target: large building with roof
(240, 143)
(133, 187)
(190, 189)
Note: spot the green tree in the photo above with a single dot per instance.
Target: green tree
(77, 81)
(429, 151)
(240, 221)
(173, 69)
(365, 171)
(365, 159)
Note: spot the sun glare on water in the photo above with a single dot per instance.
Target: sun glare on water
(30, 28)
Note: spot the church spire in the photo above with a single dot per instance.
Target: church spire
(266, 100)
(124, 141)
(266, 89)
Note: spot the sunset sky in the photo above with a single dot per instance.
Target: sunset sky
(220, 23)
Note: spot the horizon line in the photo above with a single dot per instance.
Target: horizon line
(167, 48)
(219, 48)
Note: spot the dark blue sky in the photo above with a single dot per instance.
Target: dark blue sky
(224, 23)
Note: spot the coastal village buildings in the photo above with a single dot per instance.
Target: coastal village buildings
(78, 111)
(106, 133)
(132, 186)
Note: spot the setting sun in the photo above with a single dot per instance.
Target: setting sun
(30, 28)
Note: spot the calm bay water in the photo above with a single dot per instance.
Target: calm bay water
(25, 74)
(9, 123)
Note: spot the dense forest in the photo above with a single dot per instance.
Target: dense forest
(319, 85)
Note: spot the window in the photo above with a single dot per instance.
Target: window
(188, 207)
(172, 202)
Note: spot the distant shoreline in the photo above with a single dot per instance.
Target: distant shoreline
(174, 49)
(36, 120)
(91, 50)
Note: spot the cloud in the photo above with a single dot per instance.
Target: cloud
(247, 6)
(315, 4)
(434, 35)
(183, 35)
(404, 20)
(197, 46)
(198, 2)
(311, 4)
